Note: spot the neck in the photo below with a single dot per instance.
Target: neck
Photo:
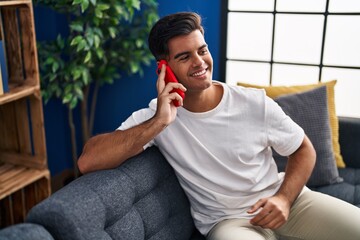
(204, 100)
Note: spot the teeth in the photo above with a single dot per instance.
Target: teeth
(199, 73)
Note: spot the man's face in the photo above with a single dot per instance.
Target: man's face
(191, 61)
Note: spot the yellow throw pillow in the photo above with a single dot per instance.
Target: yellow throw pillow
(276, 91)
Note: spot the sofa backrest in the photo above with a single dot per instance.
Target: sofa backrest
(349, 139)
(141, 199)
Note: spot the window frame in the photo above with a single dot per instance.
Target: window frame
(224, 32)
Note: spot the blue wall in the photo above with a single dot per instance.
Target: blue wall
(117, 101)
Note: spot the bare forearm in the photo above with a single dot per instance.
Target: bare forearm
(298, 171)
(109, 150)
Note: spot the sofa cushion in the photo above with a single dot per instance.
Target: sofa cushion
(309, 110)
(25, 231)
(141, 199)
(276, 91)
(349, 190)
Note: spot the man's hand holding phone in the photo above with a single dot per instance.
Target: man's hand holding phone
(167, 97)
(170, 78)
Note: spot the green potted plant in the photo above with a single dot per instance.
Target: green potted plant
(106, 38)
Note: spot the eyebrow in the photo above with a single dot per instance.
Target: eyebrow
(184, 53)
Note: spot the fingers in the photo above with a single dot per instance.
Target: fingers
(168, 92)
(262, 215)
(160, 84)
(268, 219)
(270, 215)
(171, 93)
(259, 204)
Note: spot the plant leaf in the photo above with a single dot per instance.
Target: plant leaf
(112, 32)
(76, 40)
(103, 6)
(84, 5)
(73, 103)
(99, 53)
(98, 13)
(55, 67)
(85, 77)
(67, 98)
(77, 27)
(77, 2)
(87, 57)
(82, 44)
(77, 74)
(97, 41)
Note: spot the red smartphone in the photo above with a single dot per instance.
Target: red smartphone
(170, 77)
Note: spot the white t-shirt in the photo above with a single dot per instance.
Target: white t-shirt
(222, 157)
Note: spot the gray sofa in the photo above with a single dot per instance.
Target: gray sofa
(142, 199)
(349, 138)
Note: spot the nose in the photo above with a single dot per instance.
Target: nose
(197, 61)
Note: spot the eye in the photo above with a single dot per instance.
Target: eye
(184, 57)
(203, 51)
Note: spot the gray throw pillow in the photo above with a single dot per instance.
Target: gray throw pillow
(309, 110)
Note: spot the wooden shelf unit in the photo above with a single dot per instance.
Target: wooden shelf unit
(24, 175)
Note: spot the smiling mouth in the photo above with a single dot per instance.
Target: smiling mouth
(200, 73)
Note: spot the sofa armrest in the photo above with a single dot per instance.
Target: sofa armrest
(349, 138)
(25, 231)
(141, 199)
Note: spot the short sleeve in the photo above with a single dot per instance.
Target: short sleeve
(139, 117)
(284, 135)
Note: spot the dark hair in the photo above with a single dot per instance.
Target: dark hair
(177, 24)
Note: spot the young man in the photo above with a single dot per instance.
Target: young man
(218, 141)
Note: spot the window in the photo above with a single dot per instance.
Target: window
(282, 42)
